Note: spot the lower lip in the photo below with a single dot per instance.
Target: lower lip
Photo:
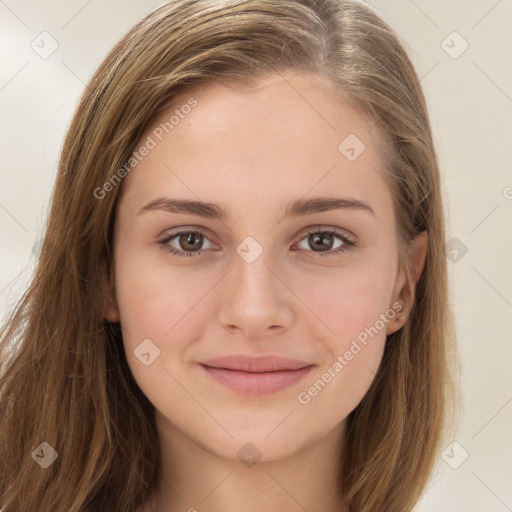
(252, 383)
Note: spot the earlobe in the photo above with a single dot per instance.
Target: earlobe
(111, 311)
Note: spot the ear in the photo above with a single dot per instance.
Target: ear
(110, 307)
(404, 292)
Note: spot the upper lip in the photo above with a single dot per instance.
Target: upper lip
(257, 364)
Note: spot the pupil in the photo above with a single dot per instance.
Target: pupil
(323, 240)
(187, 241)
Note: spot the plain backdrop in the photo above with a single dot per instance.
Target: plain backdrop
(462, 52)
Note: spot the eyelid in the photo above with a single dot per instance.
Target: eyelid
(167, 236)
(330, 229)
(302, 233)
(186, 229)
(347, 239)
(347, 243)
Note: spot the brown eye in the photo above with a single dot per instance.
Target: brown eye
(325, 243)
(186, 243)
(190, 241)
(321, 241)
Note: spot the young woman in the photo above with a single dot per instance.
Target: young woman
(241, 301)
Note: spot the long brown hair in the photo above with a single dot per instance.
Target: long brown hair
(64, 379)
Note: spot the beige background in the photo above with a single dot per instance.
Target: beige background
(470, 100)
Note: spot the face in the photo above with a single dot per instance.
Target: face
(294, 256)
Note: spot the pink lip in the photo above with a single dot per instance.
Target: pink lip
(256, 375)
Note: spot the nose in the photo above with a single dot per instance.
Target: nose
(256, 301)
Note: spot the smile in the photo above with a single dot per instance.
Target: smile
(256, 376)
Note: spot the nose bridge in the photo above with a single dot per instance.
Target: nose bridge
(256, 298)
(255, 280)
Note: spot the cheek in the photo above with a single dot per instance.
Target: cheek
(168, 306)
(159, 314)
(158, 303)
(346, 300)
(353, 317)
(352, 312)
(152, 294)
(339, 386)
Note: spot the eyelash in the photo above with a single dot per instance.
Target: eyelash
(348, 245)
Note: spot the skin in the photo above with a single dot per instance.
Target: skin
(253, 151)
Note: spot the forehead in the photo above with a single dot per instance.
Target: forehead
(279, 139)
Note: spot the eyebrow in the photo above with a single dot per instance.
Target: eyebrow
(300, 207)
